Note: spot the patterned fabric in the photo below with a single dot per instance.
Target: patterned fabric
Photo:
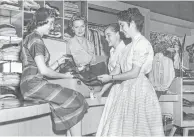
(83, 53)
(132, 107)
(68, 106)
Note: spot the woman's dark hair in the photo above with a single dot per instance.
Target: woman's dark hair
(115, 28)
(132, 14)
(77, 17)
(40, 18)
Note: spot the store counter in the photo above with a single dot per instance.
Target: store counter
(32, 119)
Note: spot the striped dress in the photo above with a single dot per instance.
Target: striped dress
(67, 106)
(132, 107)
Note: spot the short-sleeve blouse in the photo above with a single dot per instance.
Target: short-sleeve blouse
(139, 52)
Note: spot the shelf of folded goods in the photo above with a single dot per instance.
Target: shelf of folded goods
(188, 123)
(8, 12)
(188, 89)
(10, 8)
(56, 5)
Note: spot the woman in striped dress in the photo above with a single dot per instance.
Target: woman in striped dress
(132, 107)
(67, 106)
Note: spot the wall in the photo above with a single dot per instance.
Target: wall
(100, 17)
(178, 9)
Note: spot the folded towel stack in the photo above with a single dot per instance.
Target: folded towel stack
(49, 6)
(10, 53)
(10, 4)
(9, 79)
(70, 9)
(31, 5)
(7, 30)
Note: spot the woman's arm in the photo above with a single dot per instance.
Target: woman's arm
(140, 54)
(133, 73)
(46, 71)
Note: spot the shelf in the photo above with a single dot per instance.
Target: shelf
(9, 12)
(188, 92)
(168, 98)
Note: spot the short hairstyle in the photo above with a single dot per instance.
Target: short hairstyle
(132, 14)
(115, 28)
(40, 18)
(77, 17)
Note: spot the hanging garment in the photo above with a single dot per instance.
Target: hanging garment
(162, 73)
(186, 60)
(132, 107)
(177, 60)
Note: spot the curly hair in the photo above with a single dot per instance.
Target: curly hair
(132, 14)
(115, 28)
(40, 18)
(77, 17)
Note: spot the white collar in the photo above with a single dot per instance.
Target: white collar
(119, 47)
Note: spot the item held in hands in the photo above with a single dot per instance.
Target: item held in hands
(87, 78)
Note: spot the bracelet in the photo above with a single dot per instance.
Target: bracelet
(112, 77)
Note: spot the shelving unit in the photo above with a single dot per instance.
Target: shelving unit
(183, 109)
(61, 19)
(13, 17)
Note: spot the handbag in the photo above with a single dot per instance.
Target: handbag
(85, 76)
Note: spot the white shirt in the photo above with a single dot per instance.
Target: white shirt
(115, 54)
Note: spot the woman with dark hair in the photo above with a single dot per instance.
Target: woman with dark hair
(132, 107)
(67, 106)
(114, 39)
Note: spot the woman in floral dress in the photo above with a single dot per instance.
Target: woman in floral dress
(132, 107)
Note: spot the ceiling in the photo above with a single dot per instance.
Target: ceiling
(178, 9)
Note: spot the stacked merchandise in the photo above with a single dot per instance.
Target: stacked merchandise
(56, 32)
(31, 5)
(47, 5)
(10, 66)
(10, 4)
(70, 9)
(96, 35)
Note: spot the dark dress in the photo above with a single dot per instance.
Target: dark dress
(67, 106)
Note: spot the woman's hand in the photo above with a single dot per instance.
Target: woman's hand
(97, 94)
(68, 75)
(104, 78)
(62, 59)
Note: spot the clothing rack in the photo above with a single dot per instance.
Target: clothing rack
(96, 24)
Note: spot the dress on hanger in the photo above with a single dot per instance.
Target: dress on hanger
(132, 107)
(162, 73)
